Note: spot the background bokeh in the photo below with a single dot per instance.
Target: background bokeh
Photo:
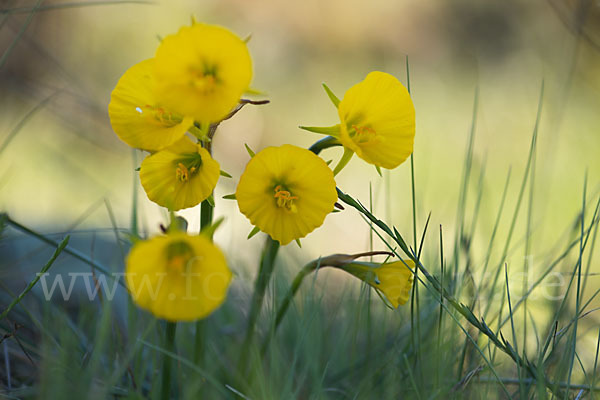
(64, 165)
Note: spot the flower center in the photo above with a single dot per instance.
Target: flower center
(159, 115)
(179, 255)
(204, 79)
(285, 199)
(182, 173)
(363, 134)
(187, 167)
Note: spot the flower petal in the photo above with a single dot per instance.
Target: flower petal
(301, 173)
(202, 71)
(382, 107)
(136, 115)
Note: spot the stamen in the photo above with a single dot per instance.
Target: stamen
(160, 115)
(179, 255)
(203, 81)
(285, 199)
(187, 166)
(182, 173)
(364, 134)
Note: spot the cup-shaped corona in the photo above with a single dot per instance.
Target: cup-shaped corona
(286, 192)
(202, 71)
(138, 117)
(177, 277)
(180, 176)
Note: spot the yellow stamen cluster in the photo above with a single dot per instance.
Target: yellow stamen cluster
(182, 173)
(161, 116)
(204, 83)
(177, 263)
(364, 134)
(285, 199)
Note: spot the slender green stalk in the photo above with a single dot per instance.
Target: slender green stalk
(334, 260)
(440, 320)
(206, 217)
(18, 36)
(526, 175)
(267, 265)
(578, 294)
(323, 144)
(286, 302)
(434, 286)
(414, 300)
(45, 269)
(170, 330)
(72, 252)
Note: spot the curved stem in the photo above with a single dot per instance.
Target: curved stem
(323, 144)
(334, 260)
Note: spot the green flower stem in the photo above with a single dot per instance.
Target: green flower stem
(286, 303)
(267, 265)
(166, 371)
(323, 144)
(206, 217)
(335, 260)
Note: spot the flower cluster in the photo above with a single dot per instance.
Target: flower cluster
(171, 105)
(196, 78)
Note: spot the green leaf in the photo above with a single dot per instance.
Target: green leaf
(31, 284)
(211, 200)
(378, 170)
(210, 229)
(249, 150)
(298, 243)
(225, 174)
(253, 232)
(332, 97)
(200, 131)
(324, 130)
(254, 92)
(343, 161)
(230, 197)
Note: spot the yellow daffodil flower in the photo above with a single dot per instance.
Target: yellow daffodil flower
(138, 117)
(202, 71)
(377, 122)
(177, 277)
(286, 192)
(180, 176)
(393, 280)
